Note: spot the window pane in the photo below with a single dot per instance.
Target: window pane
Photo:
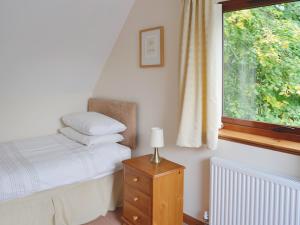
(262, 64)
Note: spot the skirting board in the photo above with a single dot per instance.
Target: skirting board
(191, 220)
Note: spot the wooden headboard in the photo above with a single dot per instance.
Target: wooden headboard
(125, 112)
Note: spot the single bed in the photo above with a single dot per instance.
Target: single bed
(53, 180)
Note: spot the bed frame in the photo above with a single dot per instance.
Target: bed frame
(125, 112)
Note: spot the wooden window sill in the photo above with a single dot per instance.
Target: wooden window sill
(290, 147)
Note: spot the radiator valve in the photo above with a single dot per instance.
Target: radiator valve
(206, 216)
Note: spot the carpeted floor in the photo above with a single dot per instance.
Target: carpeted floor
(112, 218)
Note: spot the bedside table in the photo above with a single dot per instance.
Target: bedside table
(153, 194)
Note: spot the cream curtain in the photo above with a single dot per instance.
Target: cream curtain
(200, 74)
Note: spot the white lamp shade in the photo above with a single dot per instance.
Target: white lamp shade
(157, 137)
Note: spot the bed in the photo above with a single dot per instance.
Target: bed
(53, 180)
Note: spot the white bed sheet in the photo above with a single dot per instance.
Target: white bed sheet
(37, 164)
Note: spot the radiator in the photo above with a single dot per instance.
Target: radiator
(243, 196)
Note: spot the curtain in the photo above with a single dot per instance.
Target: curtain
(200, 74)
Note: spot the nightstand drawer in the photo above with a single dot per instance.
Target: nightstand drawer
(134, 216)
(137, 180)
(138, 199)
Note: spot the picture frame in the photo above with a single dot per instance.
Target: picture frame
(152, 47)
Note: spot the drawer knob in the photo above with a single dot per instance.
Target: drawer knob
(135, 218)
(135, 179)
(135, 199)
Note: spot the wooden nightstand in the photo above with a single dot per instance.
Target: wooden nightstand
(153, 194)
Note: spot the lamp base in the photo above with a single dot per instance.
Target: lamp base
(155, 157)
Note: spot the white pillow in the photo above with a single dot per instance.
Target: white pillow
(92, 123)
(90, 140)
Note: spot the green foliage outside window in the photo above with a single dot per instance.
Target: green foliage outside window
(262, 64)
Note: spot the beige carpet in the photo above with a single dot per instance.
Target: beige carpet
(112, 218)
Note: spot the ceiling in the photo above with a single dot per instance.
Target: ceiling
(58, 45)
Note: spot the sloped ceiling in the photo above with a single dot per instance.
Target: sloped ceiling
(57, 45)
(51, 56)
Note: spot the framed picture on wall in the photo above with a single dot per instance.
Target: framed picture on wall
(152, 47)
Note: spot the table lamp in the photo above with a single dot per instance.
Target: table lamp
(157, 141)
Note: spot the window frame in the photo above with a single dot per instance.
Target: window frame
(254, 127)
(235, 5)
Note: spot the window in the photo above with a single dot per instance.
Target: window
(261, 73)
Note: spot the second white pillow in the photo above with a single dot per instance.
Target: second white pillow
(90, 140)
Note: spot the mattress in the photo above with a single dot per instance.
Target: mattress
(42, 163)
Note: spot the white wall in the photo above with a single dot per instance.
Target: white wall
(156, 92)
(51, 55)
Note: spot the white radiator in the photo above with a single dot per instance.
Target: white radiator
(243, 196)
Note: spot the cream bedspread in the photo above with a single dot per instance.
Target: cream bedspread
(42, 163)
(68, 205)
